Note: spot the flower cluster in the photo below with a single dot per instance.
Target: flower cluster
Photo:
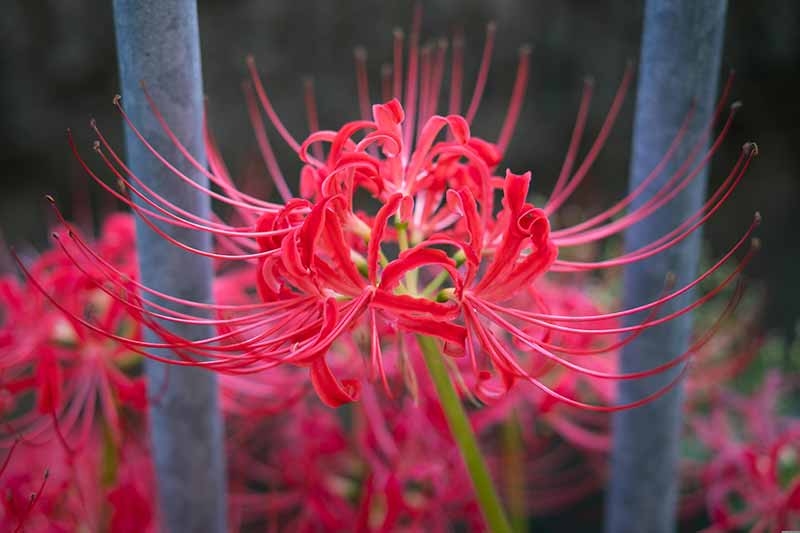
(385, 465)
(51, 364)
(406, 224)
(391, 464)
(397, 232)
(71, 464)
(73, 409)
(751, 471)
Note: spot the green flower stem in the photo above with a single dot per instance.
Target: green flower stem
(442, 276)
(514, 468)
(465, 438)
(402, 241)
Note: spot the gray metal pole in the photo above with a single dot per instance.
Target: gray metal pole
(680, 62)
(158, 43)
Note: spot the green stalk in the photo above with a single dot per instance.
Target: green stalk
(402, 242)
(514, 467)
(465, 438)
(443, 276)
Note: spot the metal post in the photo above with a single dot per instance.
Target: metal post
(680, 62)
(158, 43)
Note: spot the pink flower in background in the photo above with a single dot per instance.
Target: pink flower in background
(752, 478)
(47, 488)
(384, 466)
(391, 466)
(56, 373)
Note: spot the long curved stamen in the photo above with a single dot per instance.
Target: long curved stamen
(397, 64)
(263, 144)
(267, 105)
(519, 372)
(652, 313)
(605, 130)
(436, 78)
(136, 345)
(220, 169)
(375, 352)
(175, 220)
(115, 273)
(410, 102)
(575, 139)
(681, 133)
(33, 501)
(622, 204)
(221, 180)
(172, 315)
(662, 197)
(670, 239)
(313, 117)
(175, 171)
(424, 86)
(386, 82)
(483, 73)
(362, 82)
(271, 317)
(456, 73)
(538, 348)
(635, 310)
(9, 454)
(626, 329)
(170, 218)
(517, 96)
(256, 255)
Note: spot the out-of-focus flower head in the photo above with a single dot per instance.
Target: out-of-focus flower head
(57, 374)
(104, 487)
(751, 476)
(390, 464)
(381, 466)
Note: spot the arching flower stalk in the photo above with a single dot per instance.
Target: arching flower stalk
(429, 253)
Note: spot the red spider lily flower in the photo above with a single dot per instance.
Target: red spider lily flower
(726, 349)
(257, 394)
(582, 429)
(435, 257)
(47, 488)
(399, 471)
(752, 479)
(68, 371)
(315, 494)
(565, 450)
(17, 510)
(131, 492)
(75, 401)
(416, 476)
(571, 446)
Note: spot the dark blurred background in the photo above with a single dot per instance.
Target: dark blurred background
(58, 69)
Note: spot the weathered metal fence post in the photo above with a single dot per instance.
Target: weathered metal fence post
(680, 62)
(158, 43)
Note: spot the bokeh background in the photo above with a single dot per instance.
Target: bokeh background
(58, 69)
